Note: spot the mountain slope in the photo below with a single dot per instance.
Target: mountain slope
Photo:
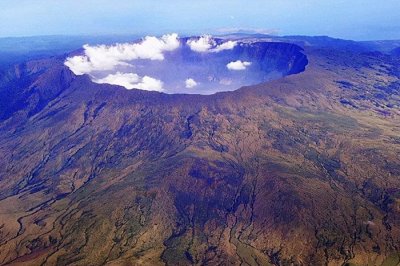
(303, 170)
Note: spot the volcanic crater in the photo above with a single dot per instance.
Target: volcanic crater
(195, 65)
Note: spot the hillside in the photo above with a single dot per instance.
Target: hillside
(302, 170)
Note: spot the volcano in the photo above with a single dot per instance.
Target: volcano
(296, 161)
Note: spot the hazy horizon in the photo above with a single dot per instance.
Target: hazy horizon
(358, 20)
(137, 36)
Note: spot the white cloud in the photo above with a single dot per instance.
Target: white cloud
(229, 45)
(103, 57)
(201, 45)
(206, 44)
(238, 65)
(132, 81)
(127, 80)
(190, 83)
(150, 84)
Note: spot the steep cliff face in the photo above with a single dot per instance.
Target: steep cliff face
(303, 170)
(275, 56)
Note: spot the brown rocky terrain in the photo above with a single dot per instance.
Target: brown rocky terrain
(303, 170)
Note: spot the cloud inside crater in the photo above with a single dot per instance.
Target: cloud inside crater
(106, 58)
(190, 83)
(155, 64)
(238, 65)
(132, 81)
(206, 44)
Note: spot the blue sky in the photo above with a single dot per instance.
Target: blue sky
(355, 19)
